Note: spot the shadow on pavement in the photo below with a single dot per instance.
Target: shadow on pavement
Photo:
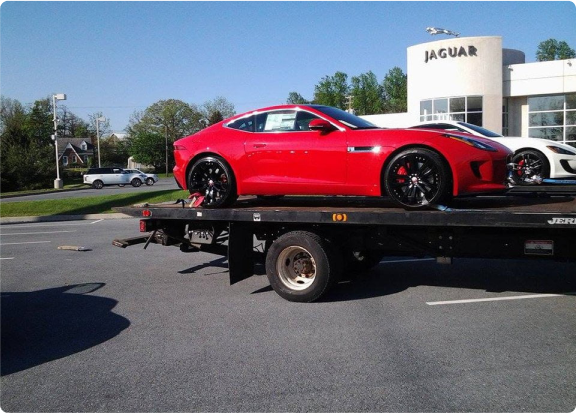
(46, 325)
(523, 276)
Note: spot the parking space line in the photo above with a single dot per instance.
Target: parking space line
(52, 224)
(6, 258)
(20, 243)
(34, 233)
(479, 300)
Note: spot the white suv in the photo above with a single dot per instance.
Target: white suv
(99, 177)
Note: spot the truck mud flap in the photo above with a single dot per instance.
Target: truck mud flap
(240, 252)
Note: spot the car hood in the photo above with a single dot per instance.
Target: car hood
(517, 142)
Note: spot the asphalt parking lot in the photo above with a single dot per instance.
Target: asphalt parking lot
(158, 330)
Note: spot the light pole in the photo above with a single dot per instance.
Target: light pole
(98, 120)
(166, 147)
(58, 184)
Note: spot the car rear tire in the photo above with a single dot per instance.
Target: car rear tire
(98, 184)
(212, 178)
(136, 182)
(149, 181)
(416, 178)
(301, 266)
(532, 166)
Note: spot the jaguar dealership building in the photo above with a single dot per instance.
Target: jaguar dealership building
(476, 80)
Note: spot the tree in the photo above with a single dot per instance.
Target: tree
(295, 98)
(113, 153)
(332, 91)
(28, 156)
(395, 91)
(148, 148)
(173, 116)
(167, 120)
(366, 93)
(217, 110)
(553, 49)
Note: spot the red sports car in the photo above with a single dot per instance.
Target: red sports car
(321, 150)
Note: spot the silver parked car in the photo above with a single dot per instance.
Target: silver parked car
(150, 179)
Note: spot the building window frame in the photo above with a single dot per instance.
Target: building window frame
(458, 108)
(549, 118)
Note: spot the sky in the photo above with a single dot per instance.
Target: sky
(121, 57)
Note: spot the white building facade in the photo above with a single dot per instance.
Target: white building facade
(473, 79)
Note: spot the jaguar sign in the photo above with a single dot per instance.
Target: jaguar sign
(446, 52)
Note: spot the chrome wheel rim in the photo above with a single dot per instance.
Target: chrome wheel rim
(529, 166)
(296, 268)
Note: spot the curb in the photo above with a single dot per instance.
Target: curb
(57, 218)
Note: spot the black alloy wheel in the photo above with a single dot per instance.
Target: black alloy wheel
(149, 181)
(417, 178)
(531, 167)
(97, 184)
(212, 178)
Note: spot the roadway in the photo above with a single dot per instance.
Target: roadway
(158, 330)
(162, 184)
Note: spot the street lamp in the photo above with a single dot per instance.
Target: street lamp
(98, 120)
(58, 184)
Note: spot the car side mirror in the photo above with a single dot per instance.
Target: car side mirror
(321, 125)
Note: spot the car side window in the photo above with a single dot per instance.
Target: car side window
(284, 121)
(245, 124)
(303, 120)
(280, 120)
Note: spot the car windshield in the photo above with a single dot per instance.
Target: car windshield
(482, 131)
(346, 118)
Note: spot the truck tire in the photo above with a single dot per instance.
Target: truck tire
(301, 266)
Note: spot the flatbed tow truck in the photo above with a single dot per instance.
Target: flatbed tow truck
(310, 243)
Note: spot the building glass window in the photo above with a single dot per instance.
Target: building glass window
(552, 117)
(459, 108)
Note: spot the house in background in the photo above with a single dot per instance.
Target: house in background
(75, 151)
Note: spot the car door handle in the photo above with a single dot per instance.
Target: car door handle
(259, 145)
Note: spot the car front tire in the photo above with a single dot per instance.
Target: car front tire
(416, 178)
(532, 167)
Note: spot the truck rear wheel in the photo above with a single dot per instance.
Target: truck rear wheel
(301, 266)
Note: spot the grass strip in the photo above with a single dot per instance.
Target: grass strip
(87, 205)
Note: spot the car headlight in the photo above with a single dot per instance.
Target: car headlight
(560, 151)
(472, 142)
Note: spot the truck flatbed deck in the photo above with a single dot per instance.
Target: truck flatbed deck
(310, 242)
(479, 211)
